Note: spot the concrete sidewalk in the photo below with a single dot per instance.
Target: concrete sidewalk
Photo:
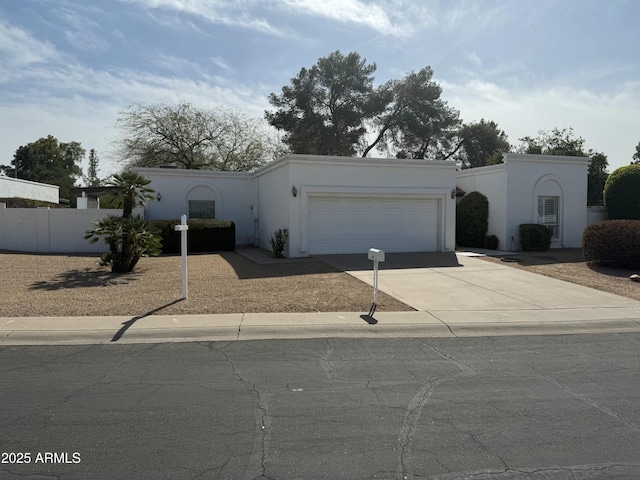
(257, 326)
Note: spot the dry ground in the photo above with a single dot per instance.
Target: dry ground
(569, 265)
(74, 285)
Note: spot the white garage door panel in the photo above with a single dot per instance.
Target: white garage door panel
(355, 224)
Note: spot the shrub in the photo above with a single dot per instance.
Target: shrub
(622, 193)
(491, 242)
(472, 220)
(128, 238)
(203, 235)
(535, 238)
(613, 243)
(279, 241)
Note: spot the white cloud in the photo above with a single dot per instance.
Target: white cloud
(81, 31)
(603, 119)
(352, 11)
(233, 14)
(18, 48)
(219, 61)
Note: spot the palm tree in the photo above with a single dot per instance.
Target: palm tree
(130, 236)
(131, 191)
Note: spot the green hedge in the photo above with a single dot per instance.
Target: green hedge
(613, 243)
(202, 236)
(622, 193)
(535, 238)
(472, 220)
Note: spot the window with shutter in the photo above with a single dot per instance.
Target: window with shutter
(548, 213)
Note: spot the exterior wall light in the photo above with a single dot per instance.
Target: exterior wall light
(294, 191)
(158, 196)
(453, 193)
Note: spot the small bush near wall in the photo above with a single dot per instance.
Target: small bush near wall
(622, 193)
(278, 242)
(491, 242)
(614, 243)
(535, 238)
(472, 220)
(202, 236)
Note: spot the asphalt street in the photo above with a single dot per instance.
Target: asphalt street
(543, 407)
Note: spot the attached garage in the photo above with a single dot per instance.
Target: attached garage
(353, 224)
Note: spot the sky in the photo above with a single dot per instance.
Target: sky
(69, 67)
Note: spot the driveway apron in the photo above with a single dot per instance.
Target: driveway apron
(452, 282)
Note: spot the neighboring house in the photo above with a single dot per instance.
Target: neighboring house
(17, 188)
(550, 190)
(328, 204)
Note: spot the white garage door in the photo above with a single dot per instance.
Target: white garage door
(356, 224)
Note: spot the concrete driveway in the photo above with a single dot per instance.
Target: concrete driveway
(454, 287)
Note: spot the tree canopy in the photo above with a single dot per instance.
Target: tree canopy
(333, 108)
(192, 138)
(636, 156)
(482, 143)
(324, 109)
(416, 122)
(48, 161)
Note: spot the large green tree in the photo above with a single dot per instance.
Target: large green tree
(324, 109)
(481, 143)
(48, 161)
(415, 122)
(565, 142)
(192, 138)
(333, 108)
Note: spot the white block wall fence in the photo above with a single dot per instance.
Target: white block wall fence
(50, 230)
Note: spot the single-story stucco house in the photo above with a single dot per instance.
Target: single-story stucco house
(327, 204)
(335, 205)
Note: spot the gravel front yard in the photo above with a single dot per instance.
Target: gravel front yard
(568, 264)
(74, 285)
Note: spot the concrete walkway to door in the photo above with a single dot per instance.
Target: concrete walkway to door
(465, 290)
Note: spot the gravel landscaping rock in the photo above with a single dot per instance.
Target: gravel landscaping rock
(75, 285)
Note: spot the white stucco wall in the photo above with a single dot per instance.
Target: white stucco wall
(273, 190)
(51, 230)
(233, 193)
(491, 181)
(513, 189)
(596, 214)
(17, 188)
(530, 176)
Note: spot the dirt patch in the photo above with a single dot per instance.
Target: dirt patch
(569, 265)
(74, 285)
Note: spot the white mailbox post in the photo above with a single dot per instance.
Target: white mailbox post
(182, 228)
(377, 256)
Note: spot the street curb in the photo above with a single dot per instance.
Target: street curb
(311, 331)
